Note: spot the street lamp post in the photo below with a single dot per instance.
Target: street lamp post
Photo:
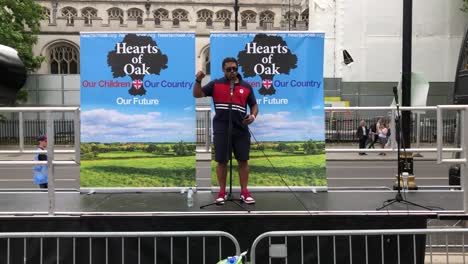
(236, 14)
(406, 69)
(405, 161)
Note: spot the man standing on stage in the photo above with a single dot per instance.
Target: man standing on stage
(226, 91)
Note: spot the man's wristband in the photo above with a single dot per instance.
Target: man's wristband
(198, 81)
(253, 116)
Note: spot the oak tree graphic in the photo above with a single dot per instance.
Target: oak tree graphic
(152, 62)
(282, 62)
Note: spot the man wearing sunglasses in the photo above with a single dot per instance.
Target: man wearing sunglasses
(227, 91)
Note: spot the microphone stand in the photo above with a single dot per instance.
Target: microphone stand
(229, 157)
(398, 197)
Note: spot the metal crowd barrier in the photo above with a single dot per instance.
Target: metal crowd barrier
(203, 130)
(204, 136)
(369, 246)
(117, 247)
(458, 150)
(51, 162)
(439, 149)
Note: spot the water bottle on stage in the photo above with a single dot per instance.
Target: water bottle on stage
(190, 197)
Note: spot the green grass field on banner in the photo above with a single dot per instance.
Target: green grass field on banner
(297, 170)
(138, 172)
(172, 165)
(137, 165)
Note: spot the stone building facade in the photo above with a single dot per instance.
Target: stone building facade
(64, 20)
(371, 31)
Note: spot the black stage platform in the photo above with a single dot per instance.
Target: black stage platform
(164, 211)
(157, 203)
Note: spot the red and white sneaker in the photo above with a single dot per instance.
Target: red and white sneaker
(247, 198)
(221, 198)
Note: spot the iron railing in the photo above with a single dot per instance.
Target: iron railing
(64, 133)
(341, 129)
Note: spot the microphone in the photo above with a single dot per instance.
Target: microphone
(232, 88)
(395, 94)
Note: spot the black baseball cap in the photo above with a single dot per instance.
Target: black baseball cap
(42, 138)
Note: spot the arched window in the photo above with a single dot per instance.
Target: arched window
(116, 13)
(291, 18)
(157, 21)
(267, 18)
(206, 16)
(225, 16)
(160, 15)
(88, 14)
(207, 61)
(70, 14)
(248, 16)
(305, 16)
(179, 15)
(136, 14)
(63, 59)
(209, 22)
(46, 13)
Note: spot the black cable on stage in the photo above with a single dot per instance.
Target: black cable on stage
(406, 164)
(281, 177)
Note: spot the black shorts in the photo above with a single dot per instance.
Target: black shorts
(240, 147)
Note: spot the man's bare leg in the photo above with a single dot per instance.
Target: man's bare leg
(243, 174)
(221, 172)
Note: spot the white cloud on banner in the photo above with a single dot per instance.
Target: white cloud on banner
(281, 126)
(107, 125)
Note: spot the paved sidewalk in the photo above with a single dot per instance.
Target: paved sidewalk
(374, 155)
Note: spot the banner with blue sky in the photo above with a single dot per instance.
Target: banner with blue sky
(136, 105)
(285, 69)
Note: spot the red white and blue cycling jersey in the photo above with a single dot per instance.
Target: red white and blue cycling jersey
(220, 91)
